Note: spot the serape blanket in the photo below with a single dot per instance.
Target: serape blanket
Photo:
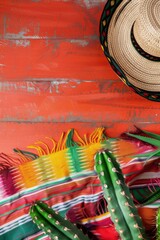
(63, 176)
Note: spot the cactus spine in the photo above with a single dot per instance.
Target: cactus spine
(122, 209)
(53, 224)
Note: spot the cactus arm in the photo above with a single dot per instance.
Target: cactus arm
(158, 224)
(72, 230)
(122, 197)
(62, 226)
(44, 225)
(109, 194)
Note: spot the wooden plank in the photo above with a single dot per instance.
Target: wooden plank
(83, 60)
(113, 107)
(63, 86)
(21, 135)
(50, 19)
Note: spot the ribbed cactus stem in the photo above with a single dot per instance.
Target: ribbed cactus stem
(53, 224)
(120, 204)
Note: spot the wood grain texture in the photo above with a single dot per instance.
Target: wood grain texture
(52, 19)
(24, 60)
(91, 107)
(54, 76)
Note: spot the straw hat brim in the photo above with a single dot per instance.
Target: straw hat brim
(138, 71)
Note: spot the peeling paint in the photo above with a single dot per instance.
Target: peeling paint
(15, 86)
(22, 43)
(88, 3)
(10, 36)
(92, 3)
(8, 119)
(16, 35)
(82, 43)
(56, 84)
(37, 85)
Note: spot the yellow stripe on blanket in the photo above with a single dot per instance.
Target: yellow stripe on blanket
(65, 158)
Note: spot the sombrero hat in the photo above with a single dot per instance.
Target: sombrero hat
(130, 39)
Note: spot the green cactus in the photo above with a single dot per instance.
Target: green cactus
(120, 204)
(53, 224)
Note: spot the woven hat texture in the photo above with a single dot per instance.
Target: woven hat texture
(130, 38)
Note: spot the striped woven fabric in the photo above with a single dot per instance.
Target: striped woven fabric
(15, 221)
(65, 159)
(63, 176)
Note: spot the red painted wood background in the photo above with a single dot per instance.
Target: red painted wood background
(54, 76)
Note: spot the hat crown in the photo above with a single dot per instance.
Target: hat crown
(147, 27)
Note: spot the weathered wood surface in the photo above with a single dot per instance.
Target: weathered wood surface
(54, 76)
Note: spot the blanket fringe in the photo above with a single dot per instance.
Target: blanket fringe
(67, 140)
(7, 161)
